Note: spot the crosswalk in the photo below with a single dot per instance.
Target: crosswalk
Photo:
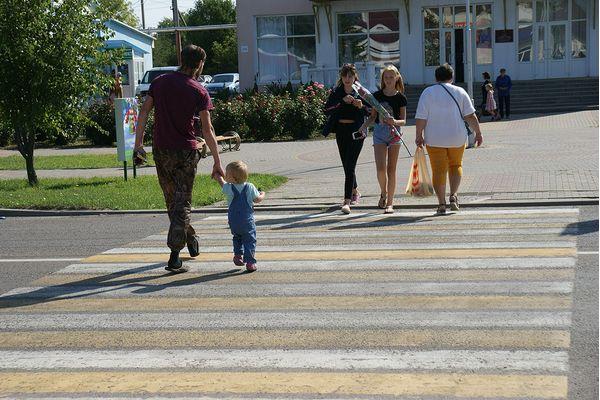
(472, 305)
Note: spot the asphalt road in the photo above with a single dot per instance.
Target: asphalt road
(76, 237)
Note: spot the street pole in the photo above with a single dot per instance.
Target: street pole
(177, 32)
(469, 53)
(143, 16)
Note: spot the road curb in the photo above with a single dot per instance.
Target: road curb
(297, 208)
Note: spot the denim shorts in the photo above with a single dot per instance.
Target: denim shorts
(382, 135)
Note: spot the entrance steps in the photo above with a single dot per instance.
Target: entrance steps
(534, 96)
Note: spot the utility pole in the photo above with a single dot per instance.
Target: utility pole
(143, 16)
(177, 32)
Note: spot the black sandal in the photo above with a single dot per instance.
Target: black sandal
(382, 201)
(441, 210)
(454, 202)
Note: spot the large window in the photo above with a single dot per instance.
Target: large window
(284, 43)
(440, 23)
(483, 34)
(553, 22)
(369, 36)
(578, 29)
(525, 35)
(431, 23)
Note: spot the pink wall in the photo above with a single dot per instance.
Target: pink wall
(246, 30)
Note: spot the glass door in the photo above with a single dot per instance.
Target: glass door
(550, 38)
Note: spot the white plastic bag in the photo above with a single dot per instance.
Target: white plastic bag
(419, 181)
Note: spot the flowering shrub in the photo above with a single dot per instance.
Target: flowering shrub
(273, 115)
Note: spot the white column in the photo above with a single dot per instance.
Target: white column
(469, 53)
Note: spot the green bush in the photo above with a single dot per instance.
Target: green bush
(305, 115)
(279, 113)
(148, 132)
(230, 115)
(101, 125)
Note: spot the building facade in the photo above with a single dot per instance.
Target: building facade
(137, 48)
(300, 40)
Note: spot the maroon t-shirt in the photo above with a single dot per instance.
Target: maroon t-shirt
(177, 99)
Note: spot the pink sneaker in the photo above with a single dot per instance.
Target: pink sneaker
(355, 198)
(250, 267)
(238, 260)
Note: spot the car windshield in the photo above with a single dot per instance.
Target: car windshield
(149, 76)
(222, 79)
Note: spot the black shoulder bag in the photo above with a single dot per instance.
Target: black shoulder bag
(470, 134)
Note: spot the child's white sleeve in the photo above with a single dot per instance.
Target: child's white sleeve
(254, 191)
(227, 189)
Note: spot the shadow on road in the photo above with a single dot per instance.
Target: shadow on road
(581, 228)
(107, 283)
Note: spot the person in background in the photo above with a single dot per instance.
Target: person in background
(503, 86)
(176, 98)
(441, 113)
(487, 79)
(116, 90)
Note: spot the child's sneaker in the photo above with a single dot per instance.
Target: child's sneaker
(355, 198)
(238, 260)
(250, 267)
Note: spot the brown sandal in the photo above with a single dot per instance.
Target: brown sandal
(454, 202)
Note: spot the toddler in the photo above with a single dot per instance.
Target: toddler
(490, 104)
(241, 196)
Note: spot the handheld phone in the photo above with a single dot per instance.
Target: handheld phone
(358, 135)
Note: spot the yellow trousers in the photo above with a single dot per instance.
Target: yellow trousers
(445, 161)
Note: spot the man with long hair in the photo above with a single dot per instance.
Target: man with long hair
(177, 98)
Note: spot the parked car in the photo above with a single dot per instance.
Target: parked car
(205, 79)
(149, 76)
(229, 82)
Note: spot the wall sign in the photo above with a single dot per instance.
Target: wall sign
(504, 36)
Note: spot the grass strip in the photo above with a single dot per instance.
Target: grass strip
(75, 161)
(113, 193)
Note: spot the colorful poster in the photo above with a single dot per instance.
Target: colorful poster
(126, 117)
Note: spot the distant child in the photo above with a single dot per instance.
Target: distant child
(490, 104)
(241, 196)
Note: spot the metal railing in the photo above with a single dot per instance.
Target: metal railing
(368, 73)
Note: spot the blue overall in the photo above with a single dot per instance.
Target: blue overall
(243, 228)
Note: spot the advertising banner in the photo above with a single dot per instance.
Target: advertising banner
(126, 117)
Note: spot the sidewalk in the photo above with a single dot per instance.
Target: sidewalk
(533, 157)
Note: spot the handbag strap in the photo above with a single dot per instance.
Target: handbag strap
(455, 102)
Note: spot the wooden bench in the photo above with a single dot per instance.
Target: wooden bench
(229, 141)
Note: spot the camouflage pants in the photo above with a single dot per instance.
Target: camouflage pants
(176, 171)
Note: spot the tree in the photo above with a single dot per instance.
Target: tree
(220, 45)
(51, 66)
(214, 12)
(163, 53)
(224, 54)
(120, 10)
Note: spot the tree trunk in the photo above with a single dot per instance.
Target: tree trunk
(31, 175)
(26, 143)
